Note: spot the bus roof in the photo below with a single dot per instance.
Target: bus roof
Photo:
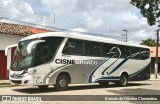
(81, 36)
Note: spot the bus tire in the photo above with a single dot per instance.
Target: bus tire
(61, 83)
(43, 86)
(103, 84)
(123, 81)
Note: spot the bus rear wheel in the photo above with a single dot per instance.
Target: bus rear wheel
(123, 81)
(43, 86)
(61, 83)
(103, 84)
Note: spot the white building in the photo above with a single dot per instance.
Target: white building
(11, 34)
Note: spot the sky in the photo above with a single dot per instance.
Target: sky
(103, 17)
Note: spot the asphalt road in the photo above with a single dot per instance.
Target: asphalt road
(133, 88)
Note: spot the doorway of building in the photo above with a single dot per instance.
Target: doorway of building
(3, 65)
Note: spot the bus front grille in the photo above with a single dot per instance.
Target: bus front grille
(16, 81)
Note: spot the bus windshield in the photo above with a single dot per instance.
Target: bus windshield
(41, 53)
(21, 58)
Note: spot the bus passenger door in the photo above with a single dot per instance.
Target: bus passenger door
(41, 63)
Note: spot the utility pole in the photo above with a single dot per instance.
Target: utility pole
(156, 60)
(125, 33)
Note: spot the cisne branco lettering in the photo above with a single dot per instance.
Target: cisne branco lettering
(83, 62)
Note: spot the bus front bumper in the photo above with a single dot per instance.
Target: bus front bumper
(27, 80)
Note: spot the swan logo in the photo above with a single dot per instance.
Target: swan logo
(115, 52)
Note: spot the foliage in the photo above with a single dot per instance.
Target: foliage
(149, 9)
(149, 42)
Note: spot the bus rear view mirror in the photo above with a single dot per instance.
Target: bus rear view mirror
(30, 45)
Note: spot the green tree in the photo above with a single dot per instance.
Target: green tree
(149, 9)
(149, 42)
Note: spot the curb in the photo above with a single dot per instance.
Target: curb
(4, 82)
(154, 79)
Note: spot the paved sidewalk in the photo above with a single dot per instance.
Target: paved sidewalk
(3, 82)
(152, 77)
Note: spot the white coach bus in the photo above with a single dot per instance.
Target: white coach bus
(62, 58)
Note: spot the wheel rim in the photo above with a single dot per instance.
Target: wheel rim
(62, 82)
(123, 80)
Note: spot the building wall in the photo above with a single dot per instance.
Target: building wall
(153, 55)
(3, 63)
(6, 40)
(153, 51)
(153, 65)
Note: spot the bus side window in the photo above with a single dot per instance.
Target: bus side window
(92, 48)
(125, 51)
(41, 54)
(145, 53)
(135, 53)
(73, 47)
(88, 48)
(109, 50)
(114, 53)
(105, 50)
(97, 49)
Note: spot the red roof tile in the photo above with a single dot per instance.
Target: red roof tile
(15, 29)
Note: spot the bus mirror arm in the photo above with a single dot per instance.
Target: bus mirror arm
(30, 45)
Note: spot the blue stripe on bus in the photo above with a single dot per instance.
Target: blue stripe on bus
(142, 74)
(131, 75)
(108, 67)
(133, 55)
(90, 77)
(118, 65)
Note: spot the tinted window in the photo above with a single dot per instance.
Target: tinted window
(92, 48)
(73, 47)
(46, 50)
(135, 53)
(145, 53)
(125, 51)
(97, 50)
(110, 50)
(105, 50)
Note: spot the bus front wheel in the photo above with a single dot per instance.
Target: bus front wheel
(61, 83)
